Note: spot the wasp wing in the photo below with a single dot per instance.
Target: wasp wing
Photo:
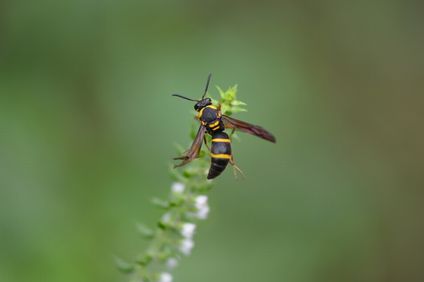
(246, 127)
(194, 150)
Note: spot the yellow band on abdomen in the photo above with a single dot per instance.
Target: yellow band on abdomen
(221, 140)
(221, 156)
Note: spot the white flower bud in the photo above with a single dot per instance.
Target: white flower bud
(186, 246)
(202, 213)
(177, 187)
(201, 201)
(165, 277)
(187, 230)
(172, 263)
(166, 218)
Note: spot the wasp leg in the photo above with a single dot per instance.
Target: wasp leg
(206, 144)
(180, 158)
(232, 131)
(236, 168)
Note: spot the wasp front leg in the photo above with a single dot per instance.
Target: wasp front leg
(219, 107)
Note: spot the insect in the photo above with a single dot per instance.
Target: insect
(214, 123)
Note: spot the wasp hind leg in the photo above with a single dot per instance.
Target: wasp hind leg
(233, 130)
(236, 169)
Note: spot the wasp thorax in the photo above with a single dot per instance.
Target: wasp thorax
(202, 103)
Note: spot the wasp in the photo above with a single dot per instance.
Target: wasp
(214, 123)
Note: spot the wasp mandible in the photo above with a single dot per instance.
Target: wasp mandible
(213, 122)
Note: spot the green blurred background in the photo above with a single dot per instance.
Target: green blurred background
(88, 128)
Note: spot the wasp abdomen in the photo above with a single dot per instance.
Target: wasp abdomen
(220, 153)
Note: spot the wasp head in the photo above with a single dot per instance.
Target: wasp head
(202, 103)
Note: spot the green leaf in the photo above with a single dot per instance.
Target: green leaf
(123, 265)
(160, 203)
(162, 225)
(238, 109)
(238, 103)
(145, 231)
(221, 93)
(176, 202)
(145, 260)
(165, 254)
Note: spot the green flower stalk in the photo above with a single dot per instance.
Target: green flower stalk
(186, 205)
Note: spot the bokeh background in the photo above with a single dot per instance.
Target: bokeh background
(88, 128)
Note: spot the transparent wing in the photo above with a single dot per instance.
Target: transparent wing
(194, 150)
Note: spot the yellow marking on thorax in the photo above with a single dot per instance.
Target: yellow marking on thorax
(200, 113)
(221, 156)
(214, 124)
(221, 140)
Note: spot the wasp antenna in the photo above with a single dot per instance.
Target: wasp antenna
(178, 95)
(207, 85)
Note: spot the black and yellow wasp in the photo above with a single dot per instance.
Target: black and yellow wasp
(214, 123)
